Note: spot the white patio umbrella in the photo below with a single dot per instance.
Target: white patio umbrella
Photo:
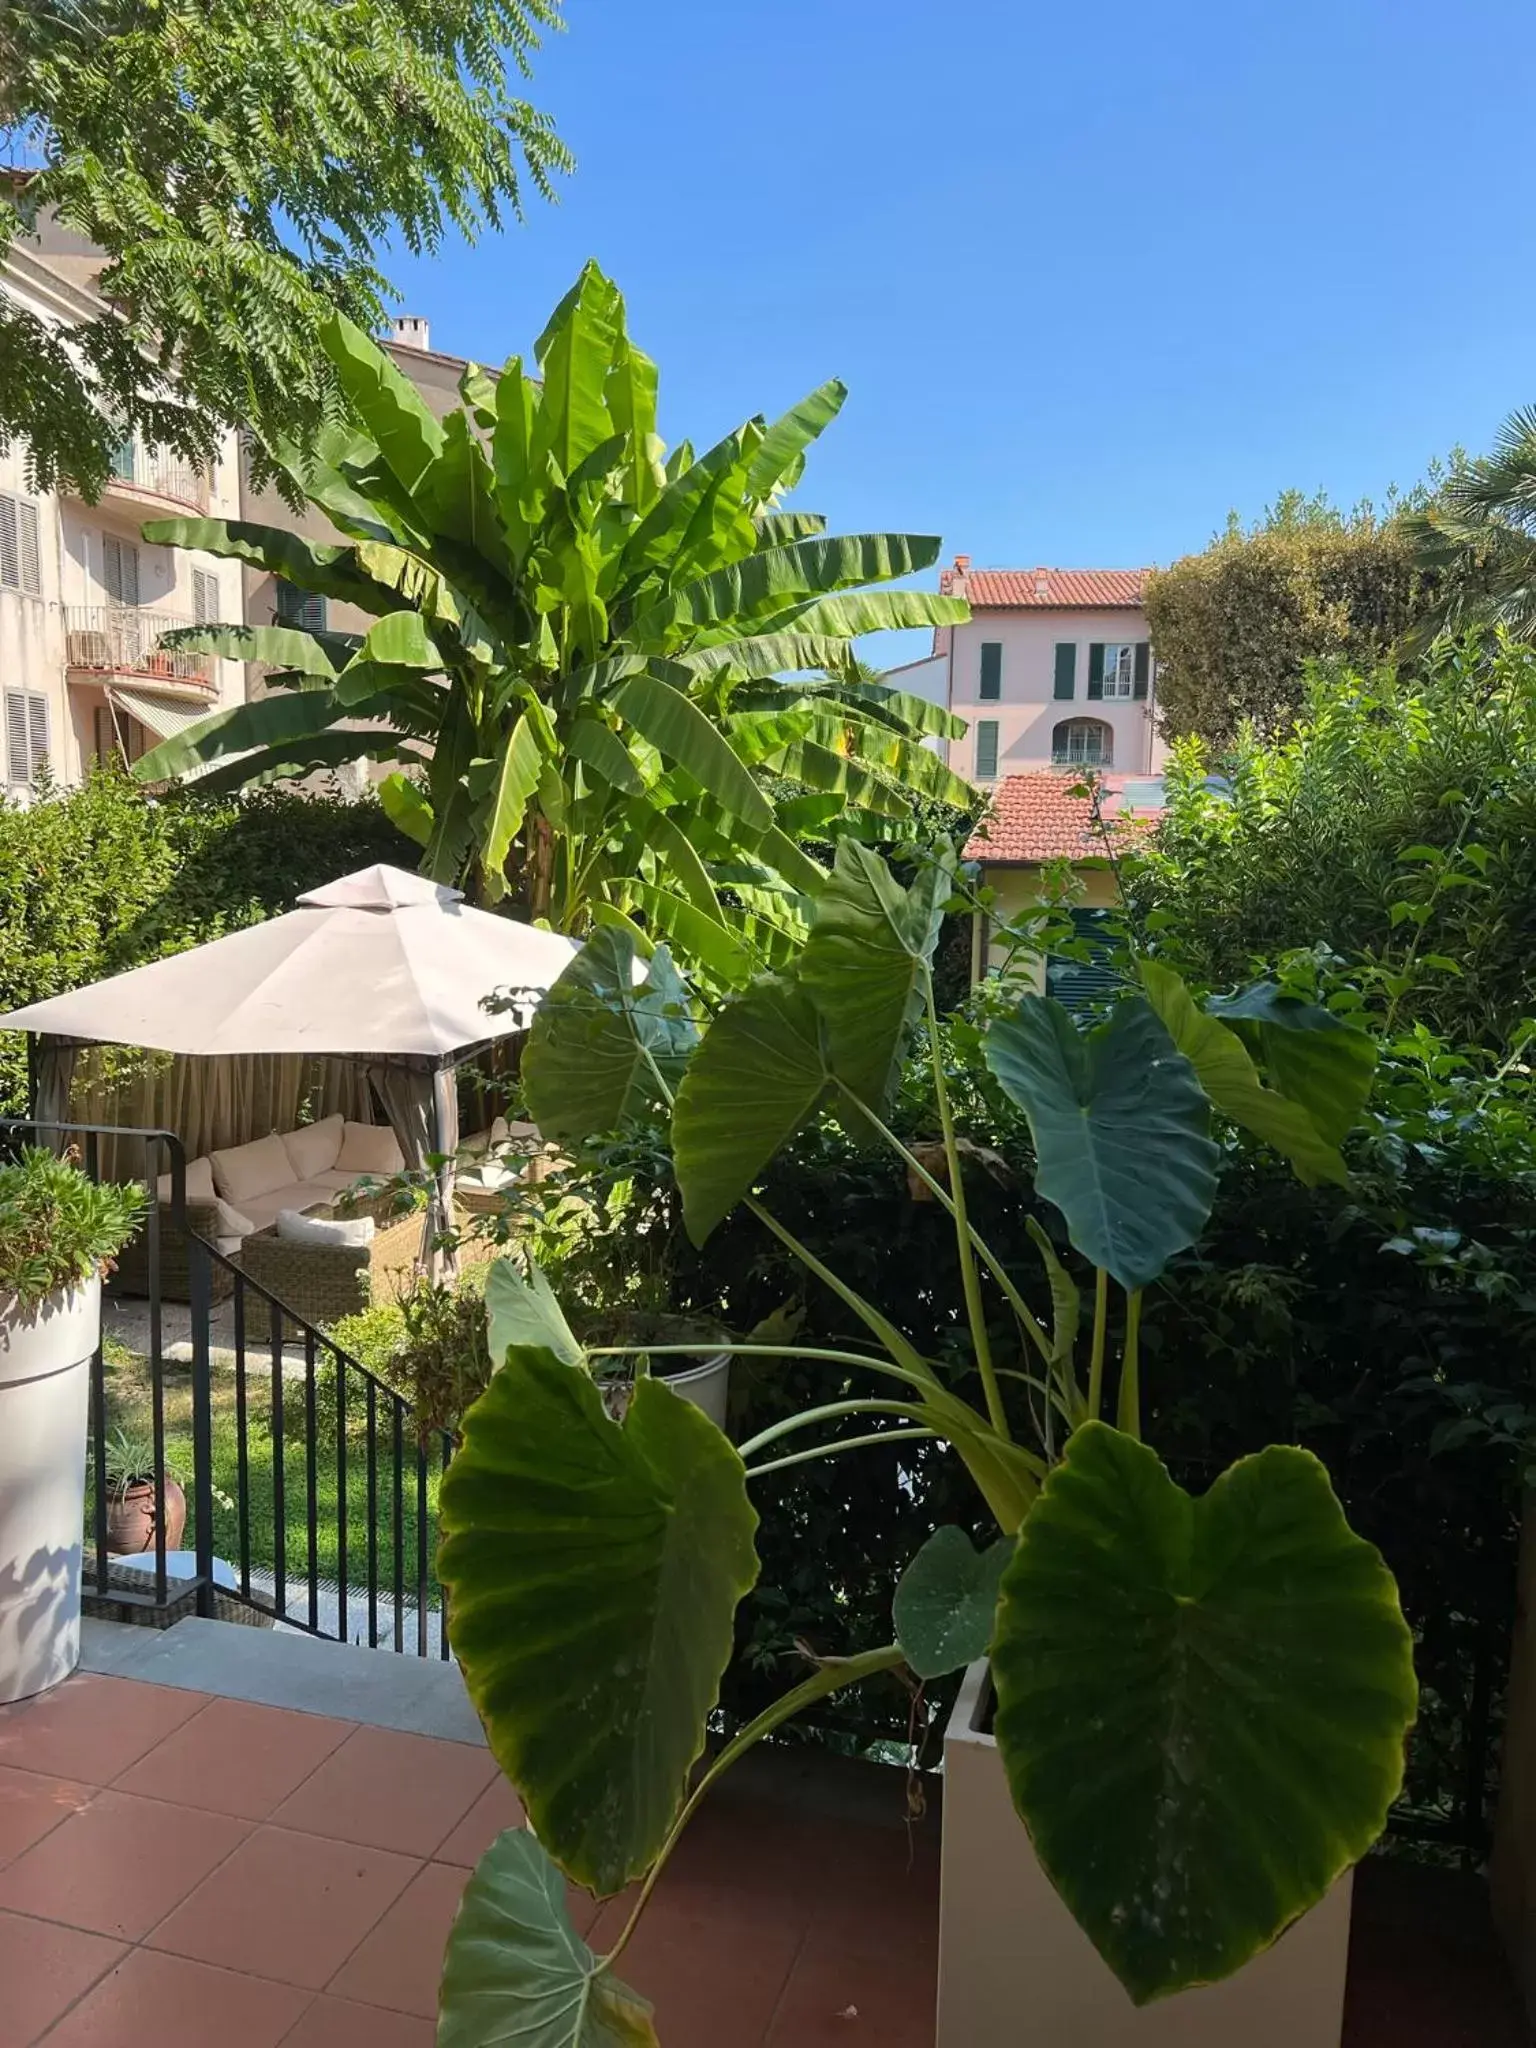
(381, 966)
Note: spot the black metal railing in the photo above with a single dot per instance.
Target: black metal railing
(310, 1491)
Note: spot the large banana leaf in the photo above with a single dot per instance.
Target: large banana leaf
(517, 778)
(630, 395)
(1201, 1703)
(280, 719)
(320, 751)
(408, 434)
(599, 1038)
(865, 967)
(760, 1072)
(329, 569)
(790, 435)
(593, 1573)
(767, 583)
(1121, 1129)
(725, 952)
(282, 647)
(1231, 1080)
(678, 729)
(866, 611)
(576, 352)
(517, 1971)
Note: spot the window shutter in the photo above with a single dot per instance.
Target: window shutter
(28, 549)
(16, 737)
(205, 597)
(986, 750)
(1096, 668)
(301, 608)
(120, 569)
(37, 708)
(1143, 666)
(1066, 667)
(991, 671)
(10, 551)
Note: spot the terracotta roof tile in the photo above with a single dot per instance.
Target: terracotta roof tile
(1046, 589)
(1035, 817)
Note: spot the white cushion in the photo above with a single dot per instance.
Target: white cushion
(293, 1227)
(334, 1180)
(256, 1169)
(504, 1133)
(369, 1148)
(263, 1209)
(228, 1246)
(313, 1148)
(491, 1174)
(200, 1187)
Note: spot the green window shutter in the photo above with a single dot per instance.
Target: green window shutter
(986, 750)
(1066, 667)
(991, 671)
(1096, 669)
(1143, 667)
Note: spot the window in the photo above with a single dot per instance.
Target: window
(1081, 985)
(991, 671)
(1118, 668)
(1066, 668)
(986, 750)
(120, 569)
(26, 735)
(299, 608)
(205, 597)
(1083, 743)
(21, 565)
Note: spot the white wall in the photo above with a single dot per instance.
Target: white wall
(1028, 711)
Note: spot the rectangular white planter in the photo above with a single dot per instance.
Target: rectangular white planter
(1015, 1966)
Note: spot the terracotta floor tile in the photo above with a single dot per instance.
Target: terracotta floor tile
(713, 1971)
(235, 1758)
(401, 1963)
(91, 1727)
(338, 2023)
(391, 1791)
(839, 1999)
(44, 1969)
(169, 2002)
(496, 1809)
(30, 1806)
(119, 1865)
(287, 1905)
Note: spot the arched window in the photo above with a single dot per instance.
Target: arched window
(1083, 743)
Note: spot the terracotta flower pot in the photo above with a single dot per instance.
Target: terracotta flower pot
(131, 1518)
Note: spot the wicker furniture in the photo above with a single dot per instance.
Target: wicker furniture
(132, 1275)
(321, 1283)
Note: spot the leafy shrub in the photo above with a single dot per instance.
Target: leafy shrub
(1235, 627)
(101, 878)
(430, 1347)
(57, 1228)
(1395, 828)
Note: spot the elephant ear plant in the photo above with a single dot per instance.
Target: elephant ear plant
(1201, 1702)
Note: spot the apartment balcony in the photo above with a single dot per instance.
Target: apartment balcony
(140, 473)
(120, 643)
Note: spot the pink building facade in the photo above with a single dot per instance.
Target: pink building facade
(1054, 669)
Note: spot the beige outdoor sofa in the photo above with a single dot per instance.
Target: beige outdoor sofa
(232, 1194)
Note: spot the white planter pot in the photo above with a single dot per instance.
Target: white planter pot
(707, 1386)
(45, 1355)
(1015, 1966)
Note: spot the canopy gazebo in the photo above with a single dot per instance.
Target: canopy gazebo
(381, 968)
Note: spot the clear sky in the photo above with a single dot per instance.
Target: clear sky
(1093, 273)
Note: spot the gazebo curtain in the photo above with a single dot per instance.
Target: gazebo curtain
(423, 1110)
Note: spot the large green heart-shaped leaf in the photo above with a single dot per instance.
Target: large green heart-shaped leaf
(1312, 1056)
(864, 965)
(1201, 1703)
(524, 1313)
(588, 1064)
(593, 1571)
(759, 1072)
(517, 1971)
(946, 1602)
(1231, 1080)
(1121, 1129)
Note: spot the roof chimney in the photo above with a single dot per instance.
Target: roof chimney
(410, 330)
(962, 563)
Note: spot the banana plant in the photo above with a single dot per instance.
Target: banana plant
(1201, 1702)
(579, 646)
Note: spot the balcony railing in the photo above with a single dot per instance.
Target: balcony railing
(166, 476)
(123, 640)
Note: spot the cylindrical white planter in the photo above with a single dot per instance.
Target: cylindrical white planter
(1015, 1966)
(45, 1353)
(707, 1386)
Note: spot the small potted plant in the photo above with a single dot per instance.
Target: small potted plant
(130, 1462)
(59, 1232)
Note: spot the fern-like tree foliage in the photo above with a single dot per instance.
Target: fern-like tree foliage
(241, 165)
(1478, 539)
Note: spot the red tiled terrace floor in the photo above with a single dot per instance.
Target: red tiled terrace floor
(187, 1871)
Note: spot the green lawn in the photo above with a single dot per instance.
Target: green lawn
(128, 1395)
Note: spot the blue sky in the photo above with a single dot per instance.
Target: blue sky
(1094, 274)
